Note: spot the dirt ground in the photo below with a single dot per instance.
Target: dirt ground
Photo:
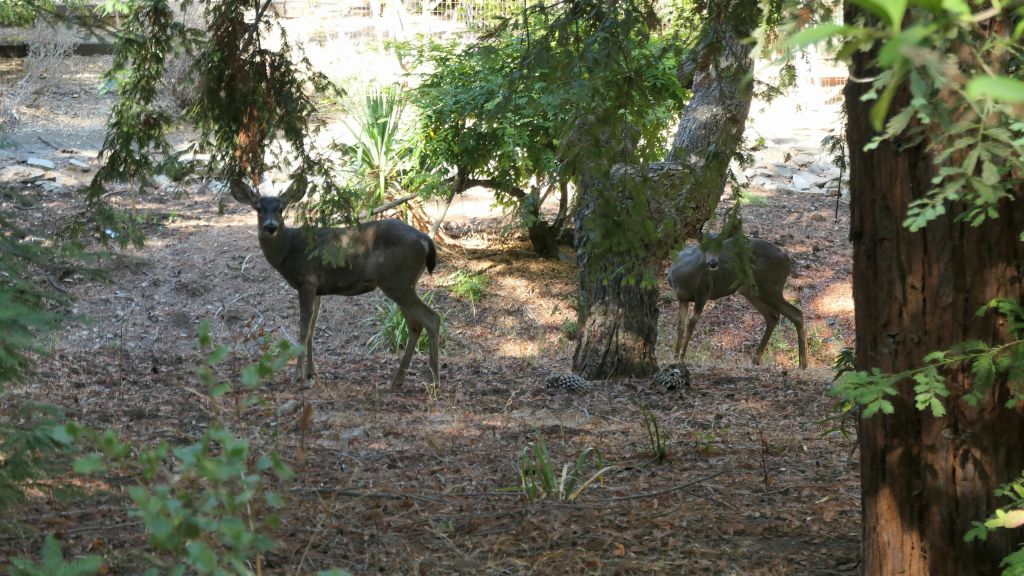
(406, 483)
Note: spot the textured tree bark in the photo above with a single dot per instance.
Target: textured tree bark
(619, 313)
(925, 479)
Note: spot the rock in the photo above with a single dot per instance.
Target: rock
(804, 180)
(352, 434)
(772, 154)
(287, 408)
(161, 182)
(765, 184)
(49, 186)
(80, 165)
(824, 169)
(782, 170)
(804, 160)
(20, 173)
(41, 163)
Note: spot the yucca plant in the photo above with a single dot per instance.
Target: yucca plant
(379, 156)
(538, 477)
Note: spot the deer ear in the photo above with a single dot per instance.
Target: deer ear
(244, 193)
(295, 191)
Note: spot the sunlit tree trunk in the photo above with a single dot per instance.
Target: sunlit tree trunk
(618, 311)
(925, 479)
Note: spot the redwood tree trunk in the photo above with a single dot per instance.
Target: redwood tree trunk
(925, 479)
(618, 311)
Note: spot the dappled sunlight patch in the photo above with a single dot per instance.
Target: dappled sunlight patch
(836, 299)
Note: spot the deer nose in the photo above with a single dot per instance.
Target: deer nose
(712, 263)
(270, 228)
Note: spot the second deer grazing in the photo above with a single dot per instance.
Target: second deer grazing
(698, 276)
(387, 254)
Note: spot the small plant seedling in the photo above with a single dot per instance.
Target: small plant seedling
(704, 443)
(468, 286)
(657, 443)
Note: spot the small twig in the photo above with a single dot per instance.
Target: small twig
(81, 529)
(316, 534)
(764, 450)
(50, 144)
(286, 334)
(358, 494)
(385, 207)
(666, 490)
(52, 282)
(244, 263)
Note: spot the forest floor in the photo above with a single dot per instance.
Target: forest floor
(413, 483)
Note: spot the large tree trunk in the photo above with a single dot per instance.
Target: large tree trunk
(925, 479)
(618, 300)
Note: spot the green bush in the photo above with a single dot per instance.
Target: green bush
(53, 563)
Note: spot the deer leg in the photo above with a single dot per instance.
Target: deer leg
(432, 322)
(794, 315)
(771, 320)
(684, 311)
(691, 325)
(307, 304)
(772, 308)
(410, 346)
(419, 316)
(311, 370)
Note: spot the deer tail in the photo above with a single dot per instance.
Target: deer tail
(431, 255)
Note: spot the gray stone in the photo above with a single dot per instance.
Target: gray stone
(19, 173)
(80, 165)
(41, 163)
(804, 180)
(782, 170)
(804, 159)
(162, 182)
(772, 154)
(48, 186)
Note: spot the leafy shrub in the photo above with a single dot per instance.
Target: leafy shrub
(206, 505)
(54, 564)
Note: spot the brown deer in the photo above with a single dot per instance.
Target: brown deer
(386, 254)
(698, 276)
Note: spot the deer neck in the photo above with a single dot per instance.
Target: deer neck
(287, 243)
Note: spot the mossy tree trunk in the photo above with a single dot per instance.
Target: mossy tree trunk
(629, 221)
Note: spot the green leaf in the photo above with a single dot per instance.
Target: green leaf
(989, 173)
(1002, 88)
(815, 34)
(958, 7)
(881, 108)
(890, 11)
(90, 464)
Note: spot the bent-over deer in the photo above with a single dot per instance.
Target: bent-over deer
(386, 254)
(698, 276)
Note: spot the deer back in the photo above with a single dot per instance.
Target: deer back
(355, 260)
